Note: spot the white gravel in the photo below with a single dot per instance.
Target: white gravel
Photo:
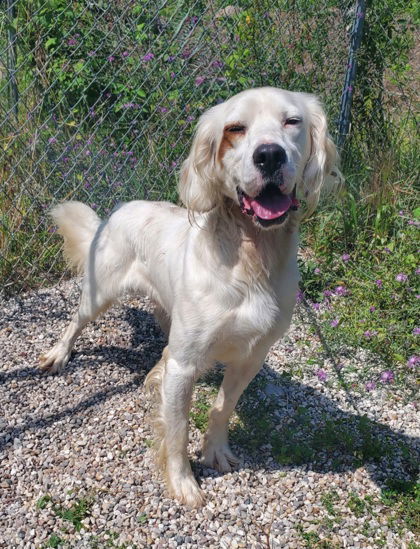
(83, 436)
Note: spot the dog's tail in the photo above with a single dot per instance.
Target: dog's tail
(77, 223)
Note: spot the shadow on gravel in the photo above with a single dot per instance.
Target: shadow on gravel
(299, 427)
(146, 343)
(281, 419)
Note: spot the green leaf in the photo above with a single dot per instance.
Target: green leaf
(50, 42)
(416, 213)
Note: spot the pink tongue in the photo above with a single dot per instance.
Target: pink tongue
(270, 206)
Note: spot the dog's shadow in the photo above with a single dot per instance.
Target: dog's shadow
(280, 424)
(284, 424)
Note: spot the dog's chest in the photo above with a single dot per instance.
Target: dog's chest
(260, 318)
(265, 308)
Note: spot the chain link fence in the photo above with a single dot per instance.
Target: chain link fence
(99, 99)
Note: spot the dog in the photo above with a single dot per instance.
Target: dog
(222, 272)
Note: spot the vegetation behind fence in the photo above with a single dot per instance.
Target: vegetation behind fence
(99, 99)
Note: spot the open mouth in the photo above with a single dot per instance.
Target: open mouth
(270, 207)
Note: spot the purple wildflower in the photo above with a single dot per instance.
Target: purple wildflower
(327, 293)
(52, 140)
(91, 53)
(340, 290)
(299, 296)
(171, 58)
(345, 258)
(148, 57)
(416, 331)
(173, 75)
(199, 80)
(418, 271)
(334, 322)
(387, 250)
(317, 271)
(370, 333)
(387, 376)
(401, 277)
(378, 283)
(110, 58)
(71, 41)
(316, 306)
(125, 54)
(321, 375)
(370, 386)
(372, 308)
(413, 361)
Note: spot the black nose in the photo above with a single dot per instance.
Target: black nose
(269, 157)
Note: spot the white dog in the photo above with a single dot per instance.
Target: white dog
(222, 272)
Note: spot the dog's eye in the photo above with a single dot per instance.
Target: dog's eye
(237, 128)
(293, 121)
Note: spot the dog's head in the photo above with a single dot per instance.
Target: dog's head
(259, 148)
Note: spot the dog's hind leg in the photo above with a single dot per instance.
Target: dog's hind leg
(92, 303)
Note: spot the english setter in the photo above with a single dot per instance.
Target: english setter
(222, 272)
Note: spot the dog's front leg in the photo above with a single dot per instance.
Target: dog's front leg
(216, 451)
(174, 381)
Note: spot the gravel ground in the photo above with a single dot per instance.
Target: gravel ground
(77, 469)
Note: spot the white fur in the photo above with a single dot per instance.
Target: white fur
(224, 287)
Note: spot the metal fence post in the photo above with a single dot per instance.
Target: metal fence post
(11, 58)
(348, 88)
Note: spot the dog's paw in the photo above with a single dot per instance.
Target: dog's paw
(186, 491)
(219, 457)
(55, 360)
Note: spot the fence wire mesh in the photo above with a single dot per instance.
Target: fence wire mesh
(98, 100)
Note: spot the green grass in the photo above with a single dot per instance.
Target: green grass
(43, 501)
(328, 501)
(75, 514)
(356, 504)
(312, 540)
(199, 413)
(54, 541)
(78, 510)
(142, 518)
(403, 501)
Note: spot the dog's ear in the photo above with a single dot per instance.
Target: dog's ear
(323, 161)
(198, 186)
